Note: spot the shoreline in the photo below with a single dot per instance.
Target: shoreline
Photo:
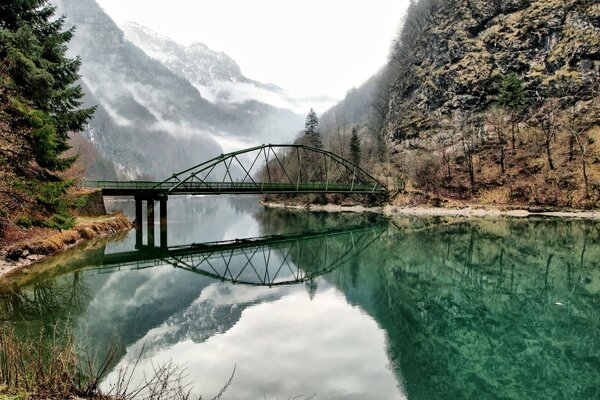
(423, 211)
(25, 253)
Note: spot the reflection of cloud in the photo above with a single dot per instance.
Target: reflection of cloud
(227, 294)
(290, 347)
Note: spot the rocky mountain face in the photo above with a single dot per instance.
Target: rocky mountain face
(197, 63)
(150, 121)
(486, 101)
(459, 59)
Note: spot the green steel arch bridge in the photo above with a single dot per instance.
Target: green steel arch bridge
(265, 169)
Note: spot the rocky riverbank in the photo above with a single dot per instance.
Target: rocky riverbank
(48, 242)
(466, 211)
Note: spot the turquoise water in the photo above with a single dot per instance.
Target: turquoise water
(336, 306)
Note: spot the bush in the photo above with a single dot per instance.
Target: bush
(424, 171)
(51, 199)
(62, 220)
(25, 221)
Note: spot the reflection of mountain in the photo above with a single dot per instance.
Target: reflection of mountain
(217, 309)
(472, 309)
(486, 309)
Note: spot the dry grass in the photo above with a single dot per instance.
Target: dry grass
(48, 241)
(42, 368)
(50, 368)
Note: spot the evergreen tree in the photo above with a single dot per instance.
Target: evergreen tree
(40, 104)
(512, 93)
(355, 147)
(45, 100)
(512, 99)
(311, 130)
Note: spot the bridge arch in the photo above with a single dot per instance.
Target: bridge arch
(276, 168)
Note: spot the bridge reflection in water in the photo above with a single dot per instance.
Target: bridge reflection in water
(264, 261)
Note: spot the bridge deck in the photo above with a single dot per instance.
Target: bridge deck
(132, 188)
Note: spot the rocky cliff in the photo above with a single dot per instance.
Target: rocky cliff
(488, 102)
(467, 46)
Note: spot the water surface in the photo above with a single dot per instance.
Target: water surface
(364, 308)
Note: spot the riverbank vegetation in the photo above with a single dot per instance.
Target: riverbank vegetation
(50, 366)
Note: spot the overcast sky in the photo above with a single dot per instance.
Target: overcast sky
(310, 47)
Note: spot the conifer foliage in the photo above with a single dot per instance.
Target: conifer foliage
(512, 93)
(32, 50)
(311, 130)
(355, 147)
(40, 102)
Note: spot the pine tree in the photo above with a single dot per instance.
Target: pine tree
(311, 130)
(355, 147)
(40, 103)
(45, 100)
(512, 93)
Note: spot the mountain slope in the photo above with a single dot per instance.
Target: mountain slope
(457, 62)
(150, 121)
(489, 102)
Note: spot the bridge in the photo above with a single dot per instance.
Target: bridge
(266, 169)
(273, 260)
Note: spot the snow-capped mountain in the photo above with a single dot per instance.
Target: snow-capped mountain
(197, 63)
(151, 120)
(216, 75)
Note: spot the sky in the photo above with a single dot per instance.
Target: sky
(308, 47)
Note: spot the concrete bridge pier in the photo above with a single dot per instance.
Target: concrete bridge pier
(150, 221)
(139, 233)
(139, 226)
(163, 222)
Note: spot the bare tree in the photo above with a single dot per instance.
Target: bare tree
(497, 122)
(578, 123)
(548, 124)
(471, 131)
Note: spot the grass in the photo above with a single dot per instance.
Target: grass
(47, 366)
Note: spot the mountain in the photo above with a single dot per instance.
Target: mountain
(487, 102)
(458, 61)
(197, 63)
(215, 74)
(150, 121)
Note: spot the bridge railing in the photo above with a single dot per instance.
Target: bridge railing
(207, 187)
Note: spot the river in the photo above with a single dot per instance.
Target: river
(334, 306)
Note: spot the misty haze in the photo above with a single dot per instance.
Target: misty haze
(266, 199)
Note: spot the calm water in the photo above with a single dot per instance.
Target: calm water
(364, 308)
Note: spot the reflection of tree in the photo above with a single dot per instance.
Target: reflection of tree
(318, 256)
(49, 303)
(277, 221)
(500, 307)
(311, 287)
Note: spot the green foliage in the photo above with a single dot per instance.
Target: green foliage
(512, 94)
(41, 104)
(33, 48)
(355, 147)
(25, 221)
(49, 196)
(62, 220)
(311, 130)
